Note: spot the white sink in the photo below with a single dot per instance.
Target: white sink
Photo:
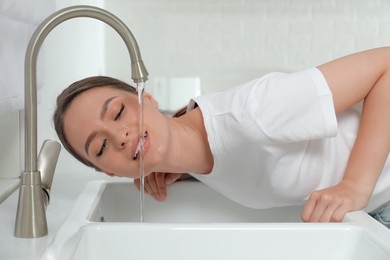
(197, 223)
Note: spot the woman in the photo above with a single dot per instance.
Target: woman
(283, 139)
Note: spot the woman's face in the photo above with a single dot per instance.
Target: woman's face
(101, 125)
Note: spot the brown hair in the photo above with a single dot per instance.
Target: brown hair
(70, 93)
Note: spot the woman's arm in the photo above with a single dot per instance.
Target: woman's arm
(362, 76)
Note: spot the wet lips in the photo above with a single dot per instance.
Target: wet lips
(139, 146)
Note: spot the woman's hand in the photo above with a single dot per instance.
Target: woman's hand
(156, 183)
(331, 204)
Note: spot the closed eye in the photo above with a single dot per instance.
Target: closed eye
(119, 113)
(100, 153)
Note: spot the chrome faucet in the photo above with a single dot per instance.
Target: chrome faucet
(36, 179)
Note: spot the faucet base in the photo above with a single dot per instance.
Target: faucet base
(31, 218)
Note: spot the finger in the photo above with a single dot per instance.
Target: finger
(137, 183)
(153, 183)
(152, 186)
(148, 185)
(161, 186)
(339, 213)
(172, 177)
(322, 204)
(329, 212)
(309, 208)
(345, 207)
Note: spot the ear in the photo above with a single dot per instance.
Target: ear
(150, 98)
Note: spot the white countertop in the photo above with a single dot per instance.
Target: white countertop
(65, 190)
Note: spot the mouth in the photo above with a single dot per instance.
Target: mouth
(139, 145)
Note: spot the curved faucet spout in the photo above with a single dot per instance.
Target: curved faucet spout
(31, 219)
(139, 72)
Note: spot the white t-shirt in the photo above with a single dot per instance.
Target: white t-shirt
(276, 139)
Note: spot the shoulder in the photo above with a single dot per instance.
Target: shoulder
(236, 98)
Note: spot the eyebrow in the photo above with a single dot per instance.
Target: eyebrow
(102, 114)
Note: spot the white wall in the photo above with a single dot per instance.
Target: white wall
(72, 51)
(18, 20)
(10, 145)
(227, 42)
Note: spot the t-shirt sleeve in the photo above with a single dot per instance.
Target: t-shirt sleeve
(294, 107)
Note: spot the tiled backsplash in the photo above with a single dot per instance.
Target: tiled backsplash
(227, 42)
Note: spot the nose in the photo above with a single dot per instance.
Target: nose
(124, 139)
(119, 137)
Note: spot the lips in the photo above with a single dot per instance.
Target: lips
(138, 149)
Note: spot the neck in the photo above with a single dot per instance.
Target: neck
(190, 151)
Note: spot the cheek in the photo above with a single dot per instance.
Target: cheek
(157, 151)
(119, 166)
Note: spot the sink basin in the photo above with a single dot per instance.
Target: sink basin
(196, 222)
(187, 202)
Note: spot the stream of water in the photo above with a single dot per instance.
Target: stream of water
(141, 134)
